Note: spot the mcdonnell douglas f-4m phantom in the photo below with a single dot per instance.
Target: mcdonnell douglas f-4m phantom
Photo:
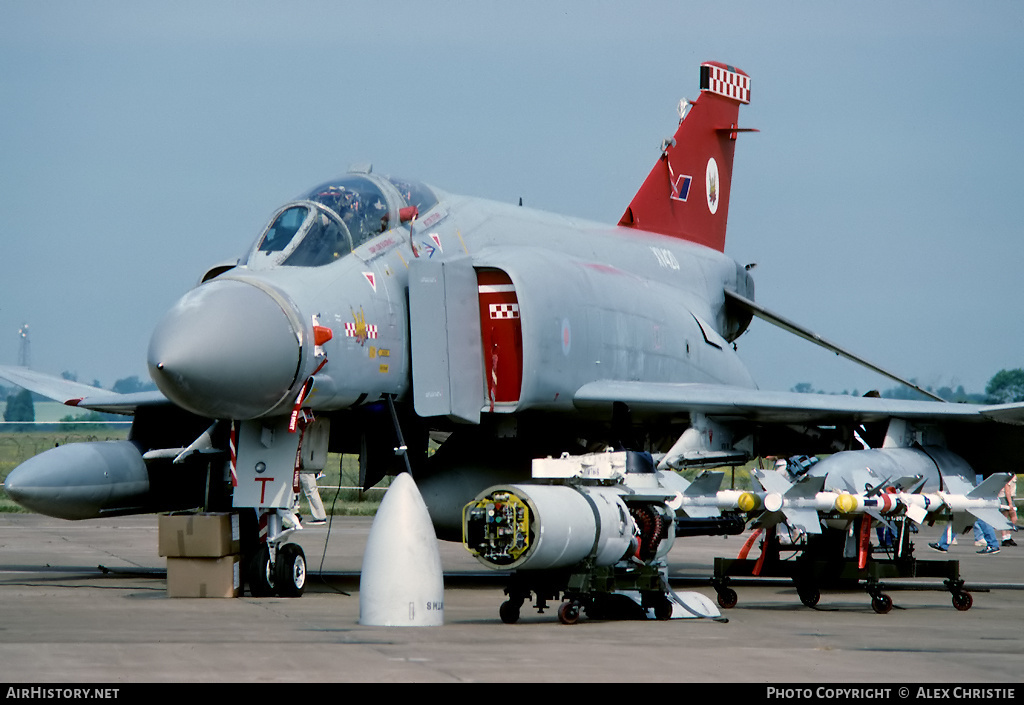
(376, 312)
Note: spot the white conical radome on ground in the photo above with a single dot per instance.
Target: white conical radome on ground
(402, 584)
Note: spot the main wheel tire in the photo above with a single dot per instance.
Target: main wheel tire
(290, 571)
(258, 574)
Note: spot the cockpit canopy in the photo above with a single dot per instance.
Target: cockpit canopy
(336, 217)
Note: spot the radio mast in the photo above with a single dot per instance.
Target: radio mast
(25, 349)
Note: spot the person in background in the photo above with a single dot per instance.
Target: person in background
(1009, 493)
(312, 492)
(986, 530)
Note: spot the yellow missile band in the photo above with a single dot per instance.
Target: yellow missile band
(747, 502)
(846, 503)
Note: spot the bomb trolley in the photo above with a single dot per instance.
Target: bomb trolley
(586, 530)
(839, 560)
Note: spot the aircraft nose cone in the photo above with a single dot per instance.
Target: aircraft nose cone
(227, 349)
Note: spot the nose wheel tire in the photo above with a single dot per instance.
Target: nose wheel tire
(290, 571)
(259, 577)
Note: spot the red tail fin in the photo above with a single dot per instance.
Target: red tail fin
(686, 195)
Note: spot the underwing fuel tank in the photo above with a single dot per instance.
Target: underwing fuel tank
(540, 527)
(858, 470)
(82, 480)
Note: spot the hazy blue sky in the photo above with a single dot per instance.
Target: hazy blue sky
(142, 142)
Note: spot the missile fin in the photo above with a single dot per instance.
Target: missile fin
(806, 520)
(877, 516)
(706, 484)
(806, 488)
(961, 522)
(767, 520)
(993, 517)
(772, 481)
(916, 514)
(954, 484)
(911, 483)
(990, 488)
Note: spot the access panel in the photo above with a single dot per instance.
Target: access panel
(502, 338)
(447, 369)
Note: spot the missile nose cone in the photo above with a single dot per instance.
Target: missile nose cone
(401, 583)
(227, 349)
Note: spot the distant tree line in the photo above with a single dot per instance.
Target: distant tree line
(20, 409)
(1005, 387)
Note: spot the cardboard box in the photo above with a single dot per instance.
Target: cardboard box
(204, 577)
(210, 535)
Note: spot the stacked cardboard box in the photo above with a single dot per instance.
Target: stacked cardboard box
(202, 553)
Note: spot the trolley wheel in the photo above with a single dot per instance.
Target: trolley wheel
(261, 582)
(663, 609)
(569, 612)
(809, 596)
(881, 603)
(963, 601)
(509, 612)
(290, 571)
(727, 598)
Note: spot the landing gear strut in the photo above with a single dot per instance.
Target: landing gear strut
(276, 567)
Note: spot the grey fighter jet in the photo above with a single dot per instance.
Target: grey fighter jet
(376, 312)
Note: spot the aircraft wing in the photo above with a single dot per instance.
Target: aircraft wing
(729, 402)
(81, 395)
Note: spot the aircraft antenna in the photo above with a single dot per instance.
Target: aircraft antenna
(25, 348)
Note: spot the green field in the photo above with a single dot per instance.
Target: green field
(16, 448)
(338, 487)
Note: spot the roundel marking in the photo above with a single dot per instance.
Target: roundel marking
(713, 185)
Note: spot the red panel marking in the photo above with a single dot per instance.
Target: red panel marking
(502, 336)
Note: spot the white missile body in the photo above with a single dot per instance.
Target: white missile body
(801, 507)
